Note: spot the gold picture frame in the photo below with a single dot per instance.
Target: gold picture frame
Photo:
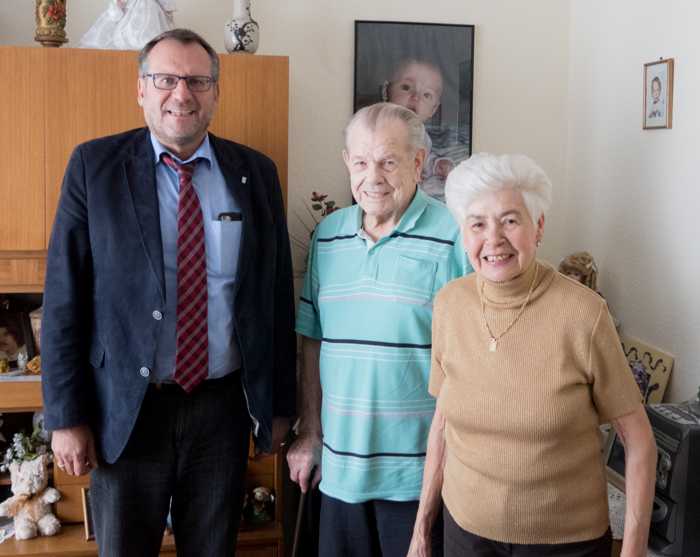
(658, 95)
(87, 514)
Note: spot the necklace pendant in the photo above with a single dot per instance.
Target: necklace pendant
(493, 343)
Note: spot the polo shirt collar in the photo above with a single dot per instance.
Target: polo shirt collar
(413, 212)
(408, 220)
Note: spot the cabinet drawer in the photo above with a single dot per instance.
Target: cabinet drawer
(22, 272)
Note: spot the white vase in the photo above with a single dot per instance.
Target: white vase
(242, 33)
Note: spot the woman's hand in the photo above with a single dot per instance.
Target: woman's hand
(420, 545)
(640, 476)
(430, 496)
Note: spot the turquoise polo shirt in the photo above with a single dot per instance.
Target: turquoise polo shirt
(371, 305)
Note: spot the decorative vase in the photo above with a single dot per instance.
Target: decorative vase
(242, 33)
(50, 18)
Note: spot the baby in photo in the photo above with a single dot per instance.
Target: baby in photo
(418, 85)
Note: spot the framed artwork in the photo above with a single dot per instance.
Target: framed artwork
(87, 514)
(428, 68)
(658, 94)
(16, 338)
(650, 366)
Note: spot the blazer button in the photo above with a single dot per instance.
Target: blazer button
(144, 371)
(157, 315)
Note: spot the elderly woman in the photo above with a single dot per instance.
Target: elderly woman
(526, 364)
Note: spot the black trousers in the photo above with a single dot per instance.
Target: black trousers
(192, 449)
(373, 529)
(460, 543)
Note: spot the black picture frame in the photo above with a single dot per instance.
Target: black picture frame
(383, 50)
(16, 335)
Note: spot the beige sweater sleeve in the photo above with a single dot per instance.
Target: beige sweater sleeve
(615, 392)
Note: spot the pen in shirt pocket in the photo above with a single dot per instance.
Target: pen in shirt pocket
(232, 216)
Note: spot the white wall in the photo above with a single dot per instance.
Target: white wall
(634, 200)
(520, 74)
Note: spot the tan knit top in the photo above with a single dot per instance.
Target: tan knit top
(523, 461)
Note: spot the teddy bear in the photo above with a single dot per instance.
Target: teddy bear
(31, 503)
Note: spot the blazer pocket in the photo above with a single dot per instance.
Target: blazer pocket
(97, 356)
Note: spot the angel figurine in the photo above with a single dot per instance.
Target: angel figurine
(129, 24)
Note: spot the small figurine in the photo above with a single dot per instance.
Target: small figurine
(581, 267)
(129, 24)
(260, 506)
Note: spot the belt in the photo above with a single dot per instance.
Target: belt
(207, 385)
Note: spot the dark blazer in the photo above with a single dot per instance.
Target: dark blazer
(104, 280)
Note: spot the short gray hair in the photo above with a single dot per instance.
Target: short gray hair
(379, 113)
(485, 173)
(183, 36)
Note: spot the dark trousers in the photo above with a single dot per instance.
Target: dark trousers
(459, 542)
(373, 529)
(191, 448)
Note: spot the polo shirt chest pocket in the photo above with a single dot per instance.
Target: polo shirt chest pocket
(415, 277)
(226, 244)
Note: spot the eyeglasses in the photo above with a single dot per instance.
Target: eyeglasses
(168, 81)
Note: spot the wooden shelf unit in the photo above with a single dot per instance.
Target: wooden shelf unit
(71, 542)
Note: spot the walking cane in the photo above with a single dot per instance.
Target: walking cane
(300, 513)
(297, 528)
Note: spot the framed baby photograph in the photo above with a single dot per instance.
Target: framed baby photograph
(658, 94)
(428, 68)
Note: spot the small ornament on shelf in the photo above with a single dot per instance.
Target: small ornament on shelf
(50, 18)
(242, 33)
(259, 507)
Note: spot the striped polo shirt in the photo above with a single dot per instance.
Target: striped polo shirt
(371, 306)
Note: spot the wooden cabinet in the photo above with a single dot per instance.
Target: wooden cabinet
(57, 98)
(22, 201)
(61, 97)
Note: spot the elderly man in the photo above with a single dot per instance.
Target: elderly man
(168, 315)
(365, 316)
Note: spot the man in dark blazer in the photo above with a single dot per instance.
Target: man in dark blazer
(114, 320)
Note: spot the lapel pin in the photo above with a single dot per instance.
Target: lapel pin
(244, 179)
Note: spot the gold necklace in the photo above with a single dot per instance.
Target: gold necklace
(493, 339)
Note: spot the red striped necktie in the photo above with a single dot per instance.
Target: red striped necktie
(192, 343)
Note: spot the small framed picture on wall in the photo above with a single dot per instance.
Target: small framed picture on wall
(658, 94)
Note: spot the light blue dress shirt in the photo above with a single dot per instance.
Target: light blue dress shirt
(222, 244)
